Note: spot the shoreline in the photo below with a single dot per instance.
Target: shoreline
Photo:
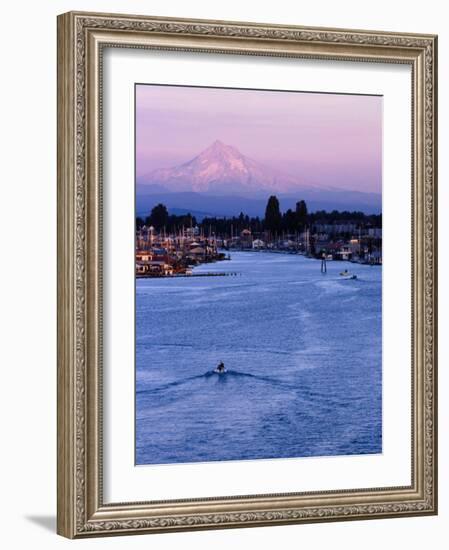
(195, 274)
(294, 253)
(190, 275)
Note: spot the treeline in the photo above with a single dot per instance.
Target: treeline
(160, 219)
(359, 218)
(276, 222)
(234, 225)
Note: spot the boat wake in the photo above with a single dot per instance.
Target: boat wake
(226, 382)
(213, 375)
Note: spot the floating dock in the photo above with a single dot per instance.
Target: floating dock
(190, 275)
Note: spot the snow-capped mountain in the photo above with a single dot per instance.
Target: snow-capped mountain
(222, 181)
(221, 169)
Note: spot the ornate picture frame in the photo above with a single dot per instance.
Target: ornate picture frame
(82, 38)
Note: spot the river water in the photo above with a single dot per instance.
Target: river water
(303, 352)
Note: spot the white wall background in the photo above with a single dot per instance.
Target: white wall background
(28, 271)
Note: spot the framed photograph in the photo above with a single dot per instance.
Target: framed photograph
(246, 274)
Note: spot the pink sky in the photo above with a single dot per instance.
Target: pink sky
(322, 139)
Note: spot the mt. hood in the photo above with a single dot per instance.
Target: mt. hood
(220, 169)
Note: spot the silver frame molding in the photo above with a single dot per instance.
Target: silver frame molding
(81, 39)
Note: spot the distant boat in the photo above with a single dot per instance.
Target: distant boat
(220, 369)
(347, 275)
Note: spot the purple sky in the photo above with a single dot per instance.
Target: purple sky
(322, 139)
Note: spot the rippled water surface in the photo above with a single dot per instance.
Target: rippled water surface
(302, 349)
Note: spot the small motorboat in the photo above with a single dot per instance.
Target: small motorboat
(347, 275)
(220, 369)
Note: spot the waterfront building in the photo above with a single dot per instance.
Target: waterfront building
(246, 239)
(143, 256)
(258, 244)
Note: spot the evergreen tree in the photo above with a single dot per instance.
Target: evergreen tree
(159, 216)
(301, 215)
(289, 221)
(273, 217)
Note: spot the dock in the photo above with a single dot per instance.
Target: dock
(190, 275)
